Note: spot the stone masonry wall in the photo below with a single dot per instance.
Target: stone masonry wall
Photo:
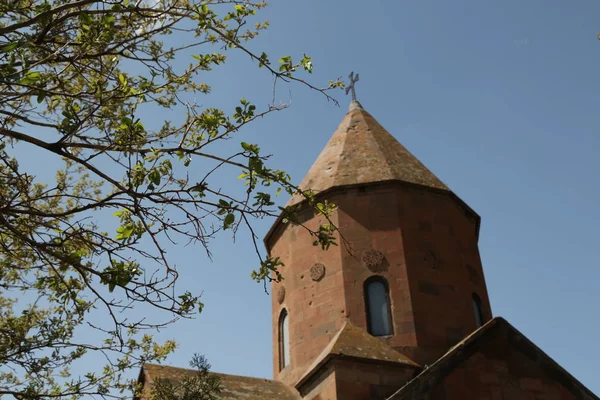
(357, 380)
(431, 262)
(427, 247)
(485, 377)
(314, 300)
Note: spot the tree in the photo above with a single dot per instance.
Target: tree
(77, 81)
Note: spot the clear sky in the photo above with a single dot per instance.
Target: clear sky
(498, 98)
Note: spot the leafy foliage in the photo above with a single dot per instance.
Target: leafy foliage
(75, 79)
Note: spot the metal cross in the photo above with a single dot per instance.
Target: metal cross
(352, 84)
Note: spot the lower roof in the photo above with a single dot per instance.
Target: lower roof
(351, 341)
(232, 386)
(423, 383)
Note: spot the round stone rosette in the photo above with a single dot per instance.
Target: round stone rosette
(317, 272)
(374, 260)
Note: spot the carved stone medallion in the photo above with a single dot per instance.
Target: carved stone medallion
(317, 272)
(374, 260)
(281, 294)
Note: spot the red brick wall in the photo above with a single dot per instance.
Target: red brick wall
(322, 387)
(432, 267)
(444, 270)
(352, 379)
(316, 309)
(498, 363)
(498, 371)
(356, 380)
(488, 378)
(432, 258)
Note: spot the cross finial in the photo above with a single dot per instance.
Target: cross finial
(351, 85)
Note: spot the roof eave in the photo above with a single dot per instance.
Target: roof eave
(277, 224)
(141, 380)
(334, 356)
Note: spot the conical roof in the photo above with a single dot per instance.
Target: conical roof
(362, 151)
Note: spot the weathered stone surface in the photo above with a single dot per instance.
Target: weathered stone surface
(355, 356)
(429, 288)
(362, 151)
(317, 272)
(374, 260)
(473, 275)
(281, 294)
(403, 217)
(233, 387)
(489, 365)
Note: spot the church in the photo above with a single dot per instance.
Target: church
(399, 310)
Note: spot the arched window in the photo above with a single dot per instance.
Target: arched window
(477, 310)
(377, 302)
(284, 339)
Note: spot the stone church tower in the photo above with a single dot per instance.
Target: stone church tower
(407, 269)
(399, 310)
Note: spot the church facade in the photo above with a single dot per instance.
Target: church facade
(399, 310)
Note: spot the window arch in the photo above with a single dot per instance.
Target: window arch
(377, 303)
(284, 339)
(477, 310)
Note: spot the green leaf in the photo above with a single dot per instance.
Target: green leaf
(85, 18)
(123, 80)
(264, 60)
(125, 232)
(154, 177)
(40, 8)
(255, 164)
(30, 77)
(125, 123)
(229, 219)
(250, 147)
(307, 63)
(10, 46)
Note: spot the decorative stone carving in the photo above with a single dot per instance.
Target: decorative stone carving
(374, 260)
(317, 272)
(281, 294)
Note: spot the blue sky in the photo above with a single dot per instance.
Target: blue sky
(498, 98)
